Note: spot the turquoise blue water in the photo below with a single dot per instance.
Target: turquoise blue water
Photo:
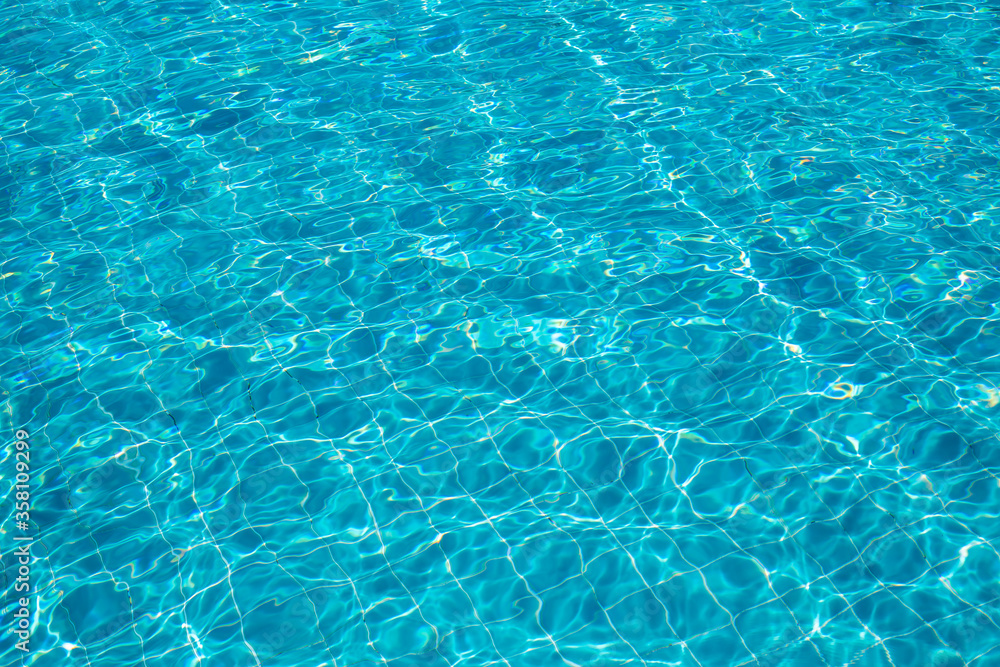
(478, 333)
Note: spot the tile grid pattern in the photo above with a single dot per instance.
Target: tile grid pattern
(147, 335)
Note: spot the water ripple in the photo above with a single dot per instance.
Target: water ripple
(561, 333)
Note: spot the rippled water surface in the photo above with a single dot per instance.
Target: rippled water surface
(504, 333)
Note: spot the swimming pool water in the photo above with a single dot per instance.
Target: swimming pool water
(487, 333)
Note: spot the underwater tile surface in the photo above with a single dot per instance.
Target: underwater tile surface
(485, 333)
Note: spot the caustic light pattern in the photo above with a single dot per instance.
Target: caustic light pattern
(504, 333)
